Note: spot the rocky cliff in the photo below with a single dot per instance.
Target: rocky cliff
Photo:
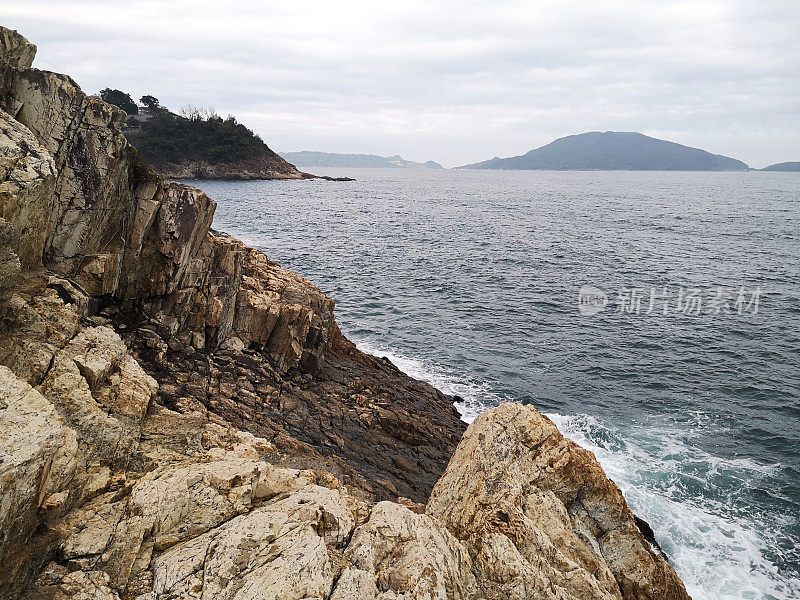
(181, 418)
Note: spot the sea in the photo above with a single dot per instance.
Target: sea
(654, 316)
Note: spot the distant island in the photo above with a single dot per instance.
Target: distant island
(614, 151)
(784, 166)
(307, 159)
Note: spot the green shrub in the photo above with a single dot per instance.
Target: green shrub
(139, 171)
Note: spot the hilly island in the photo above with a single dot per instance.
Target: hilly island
(614, 151)
(792, 167)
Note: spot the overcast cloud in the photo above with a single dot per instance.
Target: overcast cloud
(455, 82)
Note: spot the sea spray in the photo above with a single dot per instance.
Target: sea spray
(721, 553)
(677, 488)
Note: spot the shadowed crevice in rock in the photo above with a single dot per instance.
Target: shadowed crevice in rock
(649, 535)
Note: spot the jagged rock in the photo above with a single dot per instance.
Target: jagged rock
(165, 240)
(10, 266)
(174, 515)
(396, 432)
(101, 391)
(27, 178)
(15, 50)
(407, 555)
(164, 508)
(142, 241)
(58, 583)
(285, 549)
(540, 516)
(92, 187)
(37, 326)
(228, 291)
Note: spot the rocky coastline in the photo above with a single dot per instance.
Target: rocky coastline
(249, 170)
(244, 170)
(180, 417)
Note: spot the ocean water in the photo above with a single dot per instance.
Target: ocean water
(686, 385)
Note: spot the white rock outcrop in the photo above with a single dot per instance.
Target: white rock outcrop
(541, 518)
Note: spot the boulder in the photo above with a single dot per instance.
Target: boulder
(541, 518)
(410, 554)
(101, 391)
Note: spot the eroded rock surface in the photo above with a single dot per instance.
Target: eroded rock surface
(181, 418)
(27, 179)
(37, 459)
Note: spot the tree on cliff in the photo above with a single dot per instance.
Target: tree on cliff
(121, 99)
(149, 101)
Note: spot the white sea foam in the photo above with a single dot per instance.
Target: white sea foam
(718, 555)
(476, 396)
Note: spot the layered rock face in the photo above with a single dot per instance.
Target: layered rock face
(250, 169)
(181, 418)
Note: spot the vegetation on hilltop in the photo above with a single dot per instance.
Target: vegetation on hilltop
(195, 135)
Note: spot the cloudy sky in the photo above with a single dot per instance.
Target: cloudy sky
(451, 81)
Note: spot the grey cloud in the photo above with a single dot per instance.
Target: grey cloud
(450, 81)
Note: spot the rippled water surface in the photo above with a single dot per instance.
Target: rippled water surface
(471, 280)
